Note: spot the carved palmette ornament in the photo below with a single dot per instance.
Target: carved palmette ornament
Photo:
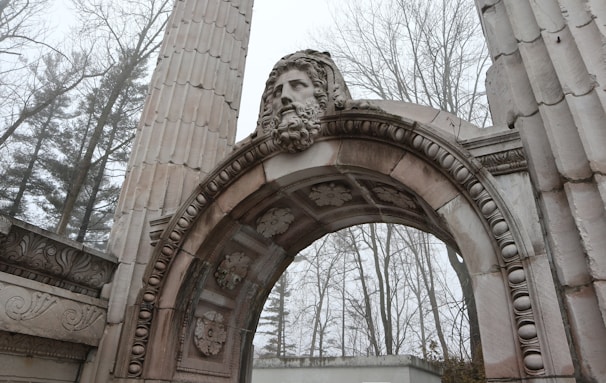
(232, 270)
(275, 221)
(330, 194)
(391, 195)
(23, 305)
(80, 317)
(210, 334)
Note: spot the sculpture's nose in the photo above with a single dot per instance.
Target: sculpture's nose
(287, 96)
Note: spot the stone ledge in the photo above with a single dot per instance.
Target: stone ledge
(347, 362)
(35, 254)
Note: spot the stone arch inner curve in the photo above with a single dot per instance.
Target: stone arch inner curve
(223, 250)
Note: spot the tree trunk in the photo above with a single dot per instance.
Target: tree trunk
(84, 164)
(383, 281)
(90, 205)
(372, 335)
(30, 169)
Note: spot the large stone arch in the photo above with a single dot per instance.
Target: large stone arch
(395, 169)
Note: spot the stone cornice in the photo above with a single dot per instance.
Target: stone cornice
(500, 152)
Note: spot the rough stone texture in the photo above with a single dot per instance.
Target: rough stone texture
(508, 90)
(29, 307)
(540, 162)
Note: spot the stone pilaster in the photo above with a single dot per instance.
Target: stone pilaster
(548, 80)
(188, 125)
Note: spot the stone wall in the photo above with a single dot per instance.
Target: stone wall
(384, 369)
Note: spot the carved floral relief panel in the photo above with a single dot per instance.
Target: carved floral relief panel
(275, 221)
(232, 270)
(210, 333)
(28, 311)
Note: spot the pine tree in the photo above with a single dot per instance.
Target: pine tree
(275, 320)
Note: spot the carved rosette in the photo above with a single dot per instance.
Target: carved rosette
(393, 196)
(409, 136)
(232, 270)
(275, 221)
(210, 334)
(329, 194)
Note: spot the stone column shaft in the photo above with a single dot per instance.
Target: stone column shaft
(549, 80)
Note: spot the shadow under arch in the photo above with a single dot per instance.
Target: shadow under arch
(221, 253)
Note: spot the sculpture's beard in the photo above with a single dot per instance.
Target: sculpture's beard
(296, 125)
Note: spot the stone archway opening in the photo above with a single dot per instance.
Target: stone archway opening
(401, 276)
(226, 247)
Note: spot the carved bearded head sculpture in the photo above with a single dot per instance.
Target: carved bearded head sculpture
(296, 96)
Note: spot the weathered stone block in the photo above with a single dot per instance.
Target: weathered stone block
(541, 163)
(588, 211)
(553, 337)
(523, 23)
(569, 65)
(541, 73)
(426, 181)
(589, 332)
(565, 142)
(497, 29)
(498, 347)
(567, 253)
(508, 90)
(320, 154)
(548, 15)
(588, 113)
(476, 248)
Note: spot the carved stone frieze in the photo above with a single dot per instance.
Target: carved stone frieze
(330, 194)
(275, 221)
(27, 311)
(232, 270)
(24, 307)
(209, 333)
(504, 162)
(80, 317)
(39, 256)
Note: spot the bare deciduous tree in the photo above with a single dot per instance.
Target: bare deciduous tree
(130, 32)
(426, 52)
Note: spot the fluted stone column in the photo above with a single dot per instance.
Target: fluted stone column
(548, 80)
(187, 126)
